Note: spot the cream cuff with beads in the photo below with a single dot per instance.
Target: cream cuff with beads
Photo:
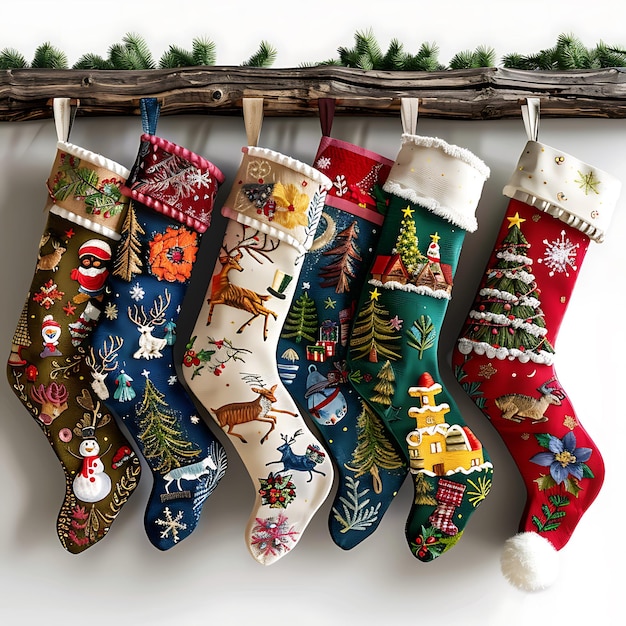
(565, 187)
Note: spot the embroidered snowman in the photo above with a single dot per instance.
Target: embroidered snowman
(91, 484)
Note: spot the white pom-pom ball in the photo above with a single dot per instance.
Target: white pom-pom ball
(529, 562)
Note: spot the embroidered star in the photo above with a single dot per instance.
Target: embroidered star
(375, 294)
(396, 323)
(306, 285)
(69, 309)
(408, 212)
(69, 233)
(329, 303)
(146, 373)
(435, 238)
(516, 220)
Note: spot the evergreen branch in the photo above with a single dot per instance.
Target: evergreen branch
(263, 57)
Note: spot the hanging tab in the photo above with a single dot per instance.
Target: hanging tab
(408, 112)
(64, 111)
(326, 108)
(253, 119)
(530, 115)
(150, 110)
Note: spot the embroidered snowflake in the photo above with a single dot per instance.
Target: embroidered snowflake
(560, 255)
(194, 419)
(588, 182)
(198, 178)
(172, 380)
(323, 163)
(137, 292)
(48, 294)
(110, 311)
(487, 371)
(273, 536)
(171, 525)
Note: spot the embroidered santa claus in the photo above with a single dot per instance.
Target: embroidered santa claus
(93, 256)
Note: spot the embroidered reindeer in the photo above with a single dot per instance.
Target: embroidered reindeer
(257, 245)
(50, 261)
(298, 462)
(516, 406)
(108, 363)
(53, 400)
(150, 347)
(260, 409)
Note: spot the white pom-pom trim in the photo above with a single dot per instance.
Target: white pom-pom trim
(529, 562)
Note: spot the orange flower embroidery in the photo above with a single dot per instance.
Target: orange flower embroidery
(173, 253)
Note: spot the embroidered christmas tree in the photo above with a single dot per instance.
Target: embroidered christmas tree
(374, 450)
(160, 432)
(507, 312)
(373, 334)
(407, 244)
(342, 270)
(127, 260)
(384, 388)
(302, 320)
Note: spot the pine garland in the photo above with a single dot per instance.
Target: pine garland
(569, 53)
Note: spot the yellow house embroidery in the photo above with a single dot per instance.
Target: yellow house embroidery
(436, 446)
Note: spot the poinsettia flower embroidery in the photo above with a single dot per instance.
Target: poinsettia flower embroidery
(172, 254)
(563, 458)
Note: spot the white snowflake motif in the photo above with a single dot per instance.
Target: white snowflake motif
(172, 380)
(110, 311)
(199, 179)
(323, 163)
(194, 419)
(171, 525)
(560, 255)
(137, 292)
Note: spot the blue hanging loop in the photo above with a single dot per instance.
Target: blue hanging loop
(150, 110)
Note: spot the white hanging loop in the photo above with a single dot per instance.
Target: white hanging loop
(408, 112)
(253, 119)
(530, 115)
(64, 114)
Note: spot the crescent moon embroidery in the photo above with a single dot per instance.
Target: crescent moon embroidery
(531, 374)
(327, 235)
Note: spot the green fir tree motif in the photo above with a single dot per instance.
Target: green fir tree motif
(373, 450)
(407, 244)
(160, 433)
(373, 335)
(302, 320)
(508, 315)
(422, 335)
(384, 388)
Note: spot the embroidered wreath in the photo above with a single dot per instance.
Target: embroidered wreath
(172, 254)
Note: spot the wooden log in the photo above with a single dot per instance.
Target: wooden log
(474, 94)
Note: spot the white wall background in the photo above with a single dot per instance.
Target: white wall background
(210, 577)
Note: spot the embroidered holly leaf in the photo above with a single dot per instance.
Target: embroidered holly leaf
(545, 482)
(543, 439)
(571, 486)
(587, 473)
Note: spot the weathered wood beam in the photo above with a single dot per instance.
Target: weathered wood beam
(475, 94)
